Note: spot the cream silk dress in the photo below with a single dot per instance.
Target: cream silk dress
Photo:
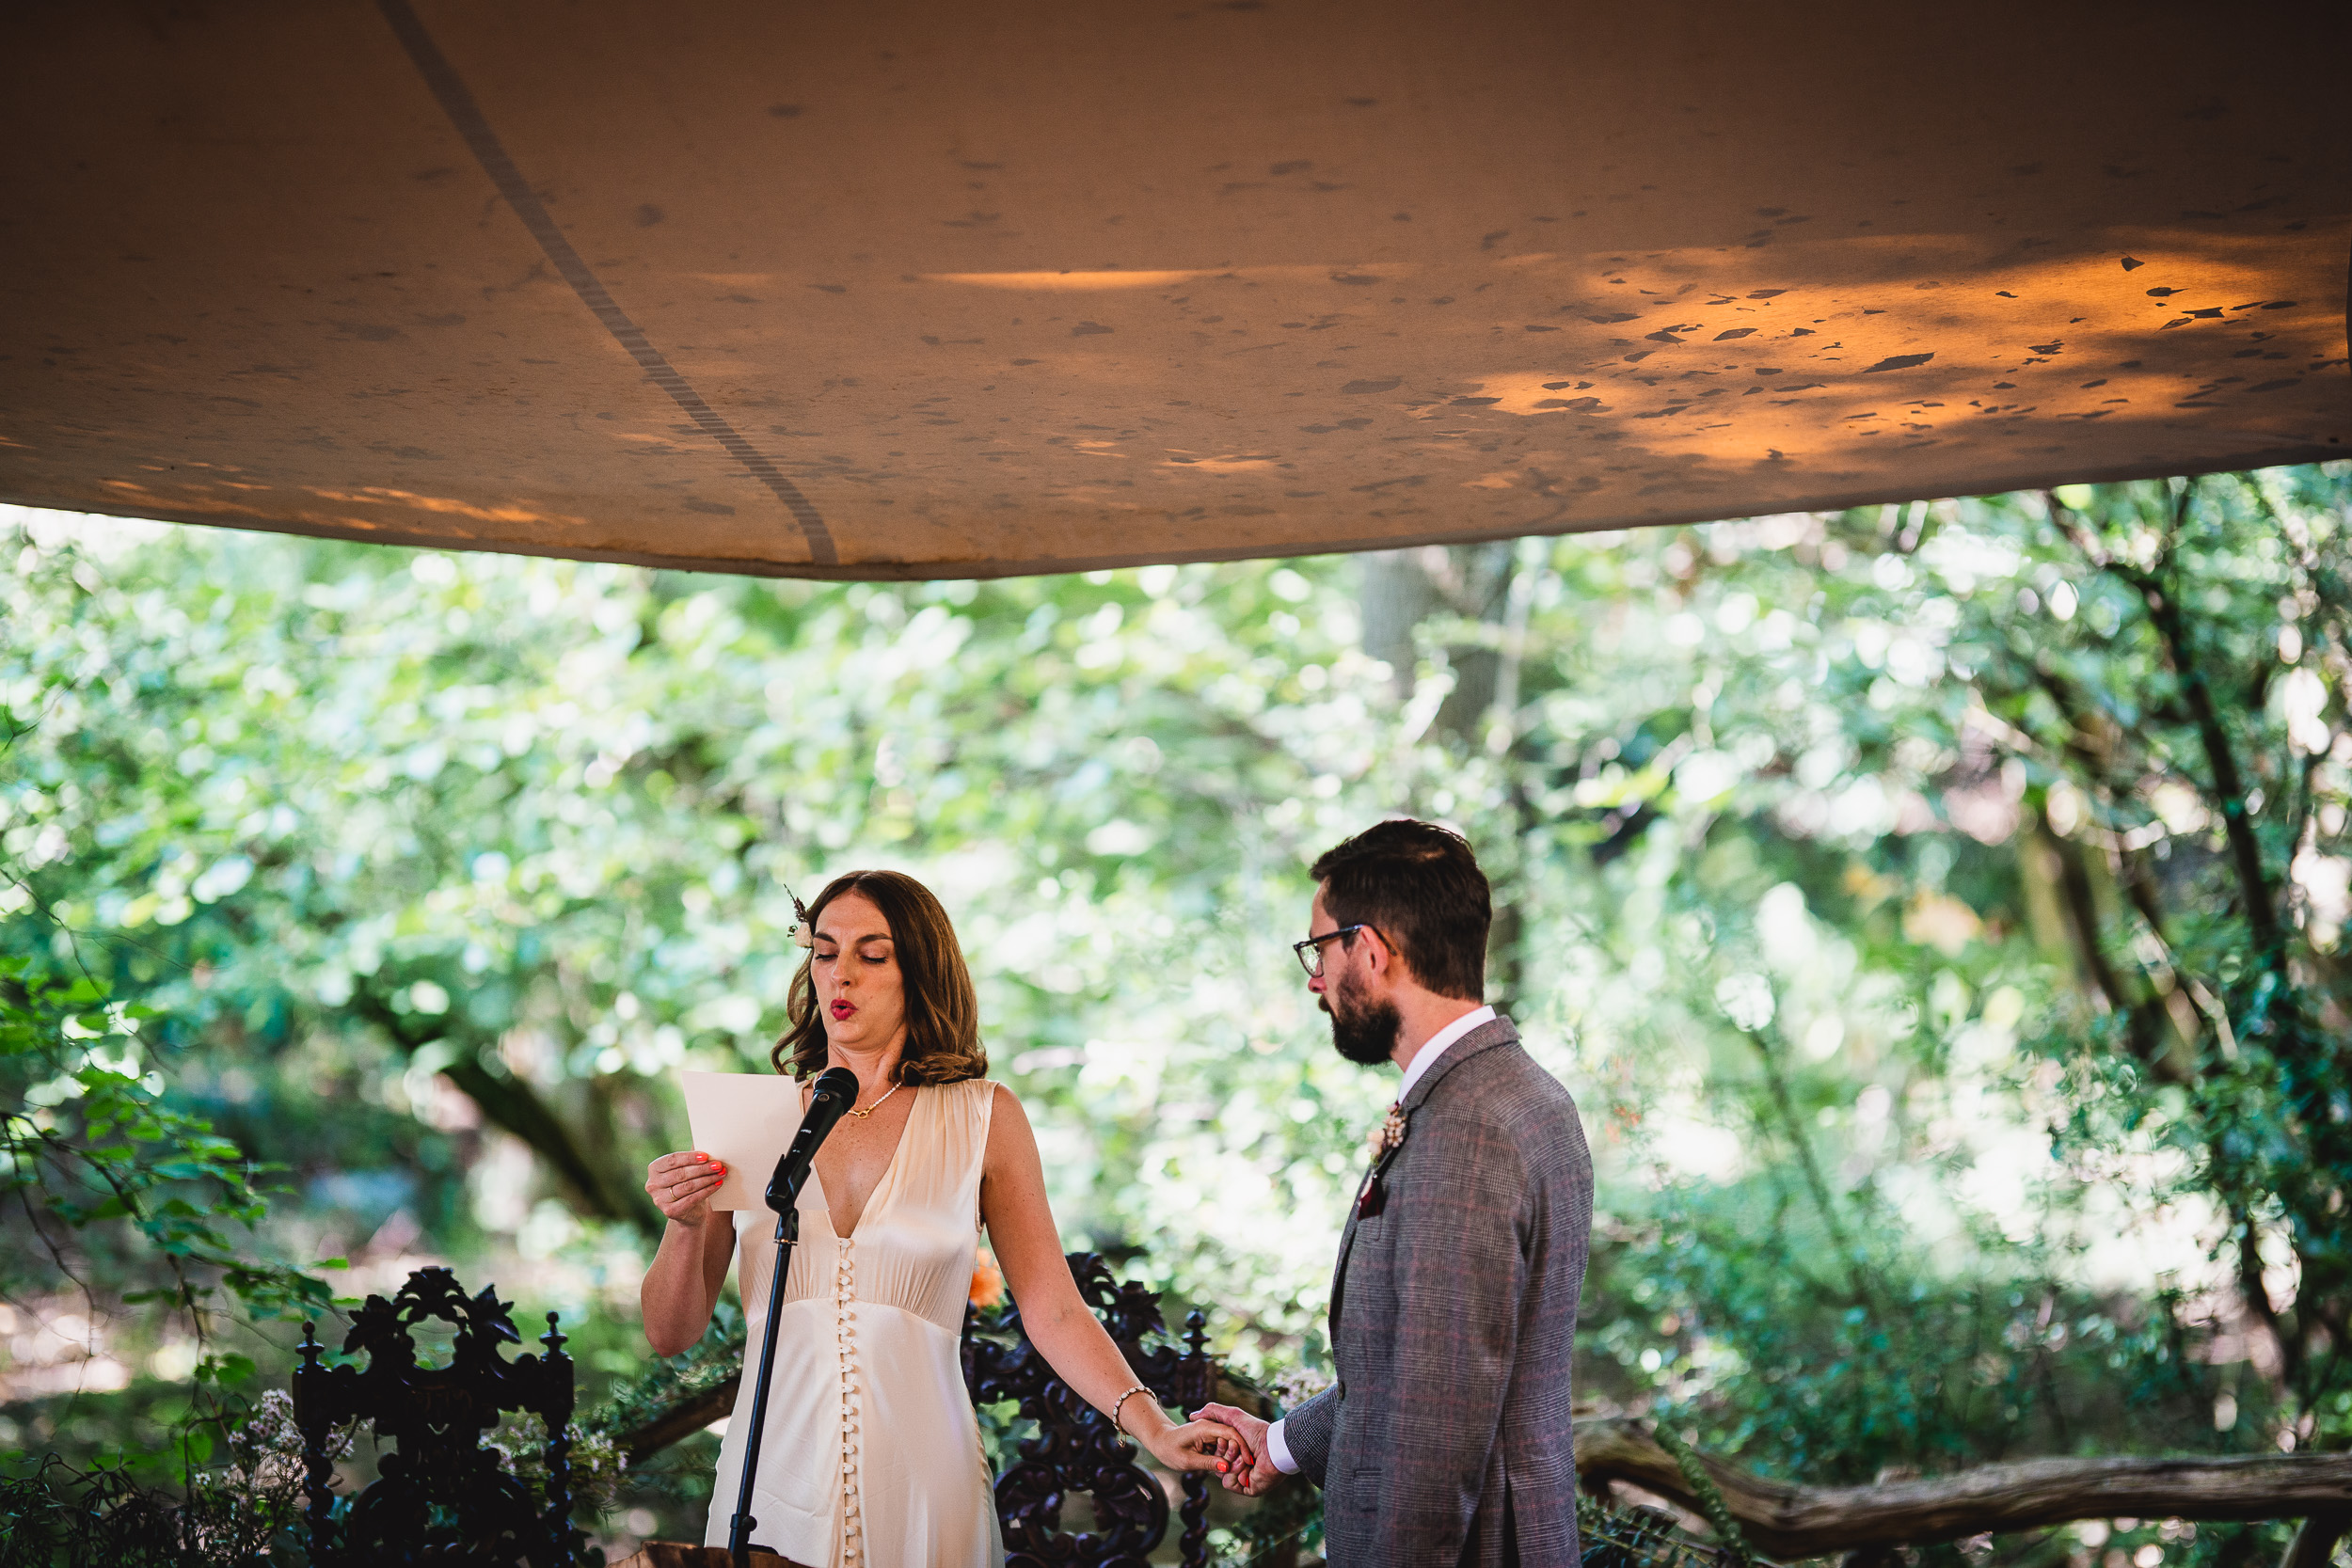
(872, 1455)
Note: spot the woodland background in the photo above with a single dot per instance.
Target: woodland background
(1938, 912)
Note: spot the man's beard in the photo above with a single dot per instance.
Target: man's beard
(1364, 1032)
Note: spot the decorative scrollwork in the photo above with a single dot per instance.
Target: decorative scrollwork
(1197, 1379)
(443, 1497)
(1076, 1449)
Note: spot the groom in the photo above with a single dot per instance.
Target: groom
(1446, 1438)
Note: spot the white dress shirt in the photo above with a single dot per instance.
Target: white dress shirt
(1415, 1071)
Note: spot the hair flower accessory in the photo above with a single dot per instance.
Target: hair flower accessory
(802, 935)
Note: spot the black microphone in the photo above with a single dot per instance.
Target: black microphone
(835, 1092)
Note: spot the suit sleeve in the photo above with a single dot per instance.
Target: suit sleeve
(1461, 1278)
(1307, 1432)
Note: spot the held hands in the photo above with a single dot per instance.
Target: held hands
(1197, 1446)
(1254, 1475)
(680, 1185)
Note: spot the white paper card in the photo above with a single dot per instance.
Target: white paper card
(744, 1120)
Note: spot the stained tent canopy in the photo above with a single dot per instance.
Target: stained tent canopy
(910, 288)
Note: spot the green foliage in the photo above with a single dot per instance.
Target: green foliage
(669, 1381)
(98, 1168)
(1289, 1516)
(244, 1514)
(677, 1481)
(59, 1517)
(1731, 1322)
(1938, 910)
(1969, 839)
(595, 1468)
(89, 1140)
(1710, 1498)
(2189, 720)
(247, 1511)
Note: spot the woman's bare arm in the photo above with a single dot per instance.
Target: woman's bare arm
(691, 1267)
(1066, 1333)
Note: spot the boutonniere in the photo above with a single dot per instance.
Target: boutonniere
(1388, 1135)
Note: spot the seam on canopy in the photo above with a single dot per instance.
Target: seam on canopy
(457, 101)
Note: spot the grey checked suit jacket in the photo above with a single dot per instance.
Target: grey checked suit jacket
(1446, 1438)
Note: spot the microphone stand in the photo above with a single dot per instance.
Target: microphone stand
(740, 1527)
(835, 1091)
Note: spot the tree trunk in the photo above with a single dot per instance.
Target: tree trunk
(1395, 593)
(1788, 1522)
(1489, 583)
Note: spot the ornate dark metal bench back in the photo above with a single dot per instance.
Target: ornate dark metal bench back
(443, 1495)
(1075, 1449)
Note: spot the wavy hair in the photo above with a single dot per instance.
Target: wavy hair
(943, 1009)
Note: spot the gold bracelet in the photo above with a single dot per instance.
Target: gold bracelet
(1120, 1402)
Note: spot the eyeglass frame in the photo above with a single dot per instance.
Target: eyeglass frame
(1312, 961)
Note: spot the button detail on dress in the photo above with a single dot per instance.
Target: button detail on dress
(845, 1336)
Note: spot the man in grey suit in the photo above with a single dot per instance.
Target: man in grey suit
(1446, 1438)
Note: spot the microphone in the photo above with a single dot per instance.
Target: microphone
(835, 1092)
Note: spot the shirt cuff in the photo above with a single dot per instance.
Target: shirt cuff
(1279, 1450)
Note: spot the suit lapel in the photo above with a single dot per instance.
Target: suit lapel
(1485, 1038)
(1339, 1269)
(1347, 1235)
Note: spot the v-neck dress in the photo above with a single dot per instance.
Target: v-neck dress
(872, 1455)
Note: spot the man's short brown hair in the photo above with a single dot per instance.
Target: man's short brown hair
(1419, 886)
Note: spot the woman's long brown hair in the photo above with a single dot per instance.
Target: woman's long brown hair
(943, 1010)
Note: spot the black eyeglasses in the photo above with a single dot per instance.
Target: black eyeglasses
(1310, 951)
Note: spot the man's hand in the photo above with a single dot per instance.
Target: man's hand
(1256, 1475)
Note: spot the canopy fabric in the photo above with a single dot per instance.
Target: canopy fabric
(909, 289)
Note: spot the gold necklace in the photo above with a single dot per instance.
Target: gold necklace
(861, 1116)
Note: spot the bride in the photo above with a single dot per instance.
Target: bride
(872, 1454)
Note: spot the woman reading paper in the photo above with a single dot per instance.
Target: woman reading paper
(872, 1456)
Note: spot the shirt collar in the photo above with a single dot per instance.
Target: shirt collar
(1435, 1047)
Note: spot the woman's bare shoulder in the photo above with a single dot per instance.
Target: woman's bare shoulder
(1009, 1132)
(1003, 1102)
